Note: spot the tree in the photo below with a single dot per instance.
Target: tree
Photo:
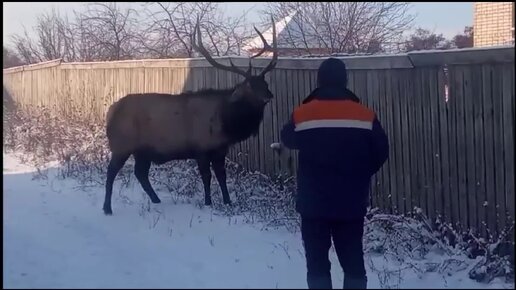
(86, 47)
(10, 58)
(171, 26)
(110, 30)
(341, 27)
(423, 39)
(26, 48)
(54, 39)
(464, 40)
(101, 31)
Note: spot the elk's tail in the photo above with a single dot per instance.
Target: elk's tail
(110, 120)
(110, 113)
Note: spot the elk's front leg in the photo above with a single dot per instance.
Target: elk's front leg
(219, 167)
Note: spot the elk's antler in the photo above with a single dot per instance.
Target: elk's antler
(202, 50)
(266, 46)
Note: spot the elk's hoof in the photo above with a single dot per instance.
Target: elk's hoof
(207, 202)
(227, 202)
(156, 200)
(107, 211)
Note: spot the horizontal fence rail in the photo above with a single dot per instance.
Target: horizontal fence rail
(449, 116)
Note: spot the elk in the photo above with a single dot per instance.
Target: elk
(158, 128)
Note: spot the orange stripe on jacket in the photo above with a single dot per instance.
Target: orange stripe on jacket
(333, 114)
(332, 110)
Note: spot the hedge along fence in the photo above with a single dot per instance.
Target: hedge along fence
(449, 116)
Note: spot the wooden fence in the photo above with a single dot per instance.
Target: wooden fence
(449, 116)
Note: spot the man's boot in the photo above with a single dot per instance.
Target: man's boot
(319, 282)
(355, 283)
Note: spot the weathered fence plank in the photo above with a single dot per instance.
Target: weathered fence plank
(489, 146)
(508, 125)
(499, 159)
(469, 86)
(478, 208)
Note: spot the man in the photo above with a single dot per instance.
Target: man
(341, 146)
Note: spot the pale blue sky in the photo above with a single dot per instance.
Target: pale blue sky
(448, 18)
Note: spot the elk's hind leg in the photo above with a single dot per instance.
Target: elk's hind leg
(115, 164)
(204, 169)
(142, 165)
(218, 160)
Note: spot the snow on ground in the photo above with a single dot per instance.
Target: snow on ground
(56, 236)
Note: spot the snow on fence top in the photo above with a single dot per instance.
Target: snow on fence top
(378, 61)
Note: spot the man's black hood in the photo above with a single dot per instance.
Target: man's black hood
(332, 82)
(332, 73)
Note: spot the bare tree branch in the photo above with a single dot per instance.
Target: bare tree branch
(54, 39)
(172, 25)
(111, 30)
(341, 27)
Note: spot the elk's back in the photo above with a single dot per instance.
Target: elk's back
(167, 124)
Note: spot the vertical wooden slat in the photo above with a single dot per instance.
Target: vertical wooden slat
(187, 78)
(426, 200)
(508, 135)
(469, 89)
(452, 137)
(489, 146)
(418, 191)
(424, 121)
(444, 170)
(480, 134)
(432, 145)
(396, 101)
(405, 94)
(461, 148)
(385, 180)
(499, 161)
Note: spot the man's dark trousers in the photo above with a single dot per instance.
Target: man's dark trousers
(347, 236)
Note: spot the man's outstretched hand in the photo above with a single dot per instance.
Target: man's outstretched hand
(276, 147)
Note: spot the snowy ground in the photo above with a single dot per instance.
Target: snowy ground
(56, 236)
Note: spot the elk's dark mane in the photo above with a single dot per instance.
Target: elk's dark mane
(241, 119)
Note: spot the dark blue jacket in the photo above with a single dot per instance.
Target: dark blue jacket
(341, 146)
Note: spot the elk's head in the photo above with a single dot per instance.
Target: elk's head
(254, 88)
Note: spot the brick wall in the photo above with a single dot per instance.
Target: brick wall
(493, 23)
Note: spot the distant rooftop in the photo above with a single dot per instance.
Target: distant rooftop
(287, 29)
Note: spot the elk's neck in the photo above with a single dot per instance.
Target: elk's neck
(241, 119)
